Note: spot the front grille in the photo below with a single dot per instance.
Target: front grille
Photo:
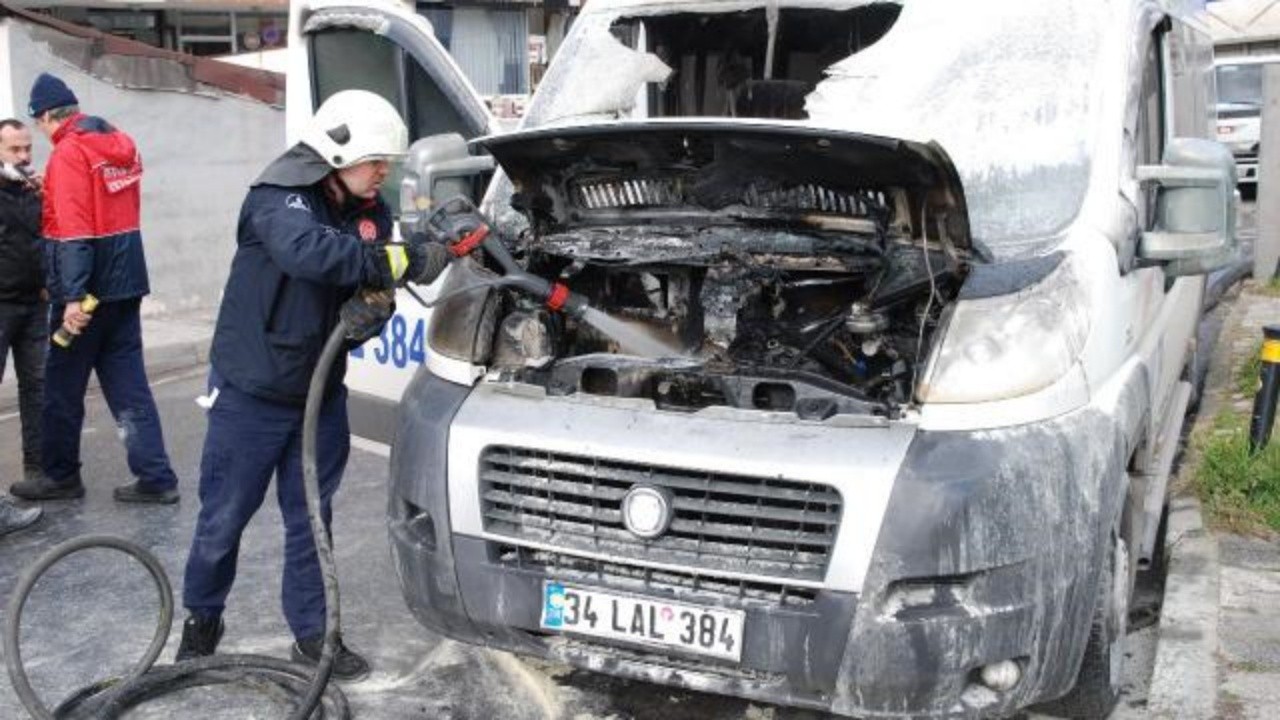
(722, 523)
(667, 192)
(685, 586)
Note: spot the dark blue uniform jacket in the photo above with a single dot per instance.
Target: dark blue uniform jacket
(297, 260)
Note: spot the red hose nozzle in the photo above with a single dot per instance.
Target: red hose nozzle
(470, 241)
(558, 296)
(561, 299)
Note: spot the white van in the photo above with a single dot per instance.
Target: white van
(927, 276)
(1239, 109)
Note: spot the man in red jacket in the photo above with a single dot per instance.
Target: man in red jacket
(94, 248)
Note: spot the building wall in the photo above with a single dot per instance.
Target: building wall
(199, 151)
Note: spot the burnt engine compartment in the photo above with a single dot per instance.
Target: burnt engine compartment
(773, 267)
(816, 333)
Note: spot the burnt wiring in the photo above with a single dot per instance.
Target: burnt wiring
(828, 329)
(933, 294)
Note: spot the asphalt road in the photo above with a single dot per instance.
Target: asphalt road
(93, 617)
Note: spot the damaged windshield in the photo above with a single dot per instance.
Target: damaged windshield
(1011, 101)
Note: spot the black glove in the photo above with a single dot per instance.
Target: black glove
(365, 314)
(454, 221)
(427, 259)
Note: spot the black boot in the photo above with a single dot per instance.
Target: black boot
(200, 637)
(14, 518)
(43, 487)
(347, 666)
(136, 493)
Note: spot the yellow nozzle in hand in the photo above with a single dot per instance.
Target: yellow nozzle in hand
(63, 337)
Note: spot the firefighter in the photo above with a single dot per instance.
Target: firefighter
(311, 231)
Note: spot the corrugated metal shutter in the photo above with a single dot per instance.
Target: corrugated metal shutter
(441, 20)
(491, 48)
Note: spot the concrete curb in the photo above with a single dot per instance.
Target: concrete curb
(1184, 684)
(160, 359)
(175, 357)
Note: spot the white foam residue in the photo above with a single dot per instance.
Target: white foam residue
(1026, 72)
(608, 78)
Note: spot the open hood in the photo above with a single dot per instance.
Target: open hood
(724, 172)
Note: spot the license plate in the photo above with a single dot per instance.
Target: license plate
(643, 620)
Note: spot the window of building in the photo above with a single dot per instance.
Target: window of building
(143, 26)
(260, 32)
(222, 33)
(205, 33)
(197, 33)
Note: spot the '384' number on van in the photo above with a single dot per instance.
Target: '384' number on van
(705, 631)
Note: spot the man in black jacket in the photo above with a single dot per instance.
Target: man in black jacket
(24, 324)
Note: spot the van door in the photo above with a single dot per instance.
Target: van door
(1176, 83)
(392, 52)
(1186, 68)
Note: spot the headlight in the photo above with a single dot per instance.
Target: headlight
(1009, 346)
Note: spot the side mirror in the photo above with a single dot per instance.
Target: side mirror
(437, 168)
(1194, 230)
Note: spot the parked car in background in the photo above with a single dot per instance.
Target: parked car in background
(1239, 110)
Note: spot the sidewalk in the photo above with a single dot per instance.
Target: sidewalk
(170, 343)
(1219, 638)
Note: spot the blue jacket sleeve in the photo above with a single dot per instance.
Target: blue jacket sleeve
(75, 266)
(306, 248)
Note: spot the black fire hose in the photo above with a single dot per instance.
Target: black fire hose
(109, 699)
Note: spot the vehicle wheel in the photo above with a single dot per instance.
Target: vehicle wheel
(1097, 688)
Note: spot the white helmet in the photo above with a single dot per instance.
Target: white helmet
(356, 125)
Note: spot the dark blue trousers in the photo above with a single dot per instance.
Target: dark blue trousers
(110, 346)
(249, 440)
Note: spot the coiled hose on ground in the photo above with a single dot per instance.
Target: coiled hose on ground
(110, 698)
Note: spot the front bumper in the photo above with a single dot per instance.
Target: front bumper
(987, 552)
(1247, 169)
